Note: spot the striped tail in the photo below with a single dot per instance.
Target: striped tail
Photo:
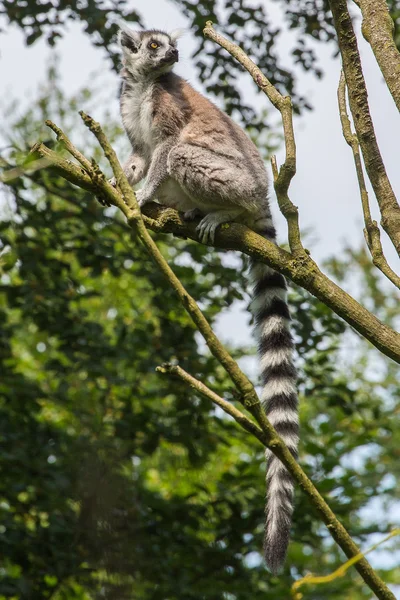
(279, 396)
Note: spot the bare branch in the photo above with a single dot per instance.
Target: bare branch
(86, 164)
(15, 172)
(377, 28)
(284, 176)
(372, 233)
(302, 271)
(358, 100)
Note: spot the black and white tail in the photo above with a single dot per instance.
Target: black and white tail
(279, 396)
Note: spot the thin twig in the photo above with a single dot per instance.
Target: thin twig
(340, 571)
(86, 164)
(13, 173)
(199, 386)
(358, 101)
(283, 177)
(372, 232)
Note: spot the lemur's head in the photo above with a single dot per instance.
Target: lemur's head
(148, 53)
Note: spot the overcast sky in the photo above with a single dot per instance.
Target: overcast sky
(325, 187)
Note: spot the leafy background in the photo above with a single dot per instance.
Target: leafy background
(114, 481)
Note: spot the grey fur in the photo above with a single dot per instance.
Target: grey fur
(196, 159)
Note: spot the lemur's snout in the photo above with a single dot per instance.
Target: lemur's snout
(172, 53)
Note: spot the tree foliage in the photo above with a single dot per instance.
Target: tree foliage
(118, 483)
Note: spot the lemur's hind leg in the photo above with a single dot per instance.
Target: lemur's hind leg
(214, 181)
(220, 188)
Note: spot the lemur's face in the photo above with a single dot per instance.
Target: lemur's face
(148, 53)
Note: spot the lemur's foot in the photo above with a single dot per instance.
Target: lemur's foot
(207, 228)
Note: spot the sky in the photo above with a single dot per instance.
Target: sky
(325, 186)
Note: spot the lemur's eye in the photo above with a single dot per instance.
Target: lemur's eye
(154, 45)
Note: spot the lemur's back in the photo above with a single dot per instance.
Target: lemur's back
(194, 158)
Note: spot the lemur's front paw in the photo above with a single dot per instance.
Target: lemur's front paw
(142, 197)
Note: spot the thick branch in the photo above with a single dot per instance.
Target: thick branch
(302, 271)
(284, 176)
(358, 100)
(377, 29)
(372, 232)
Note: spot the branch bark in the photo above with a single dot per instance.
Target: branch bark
(358, 100)
(201, 388)
(302, 271)
(372, 232)
(377, 28)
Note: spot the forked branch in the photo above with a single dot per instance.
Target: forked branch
(302, 271)
(358, 101)
(372, 232)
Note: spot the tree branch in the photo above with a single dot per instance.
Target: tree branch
(284, 176)
(377, 28)
(372, 232)
(20, 170)
(271, 440)
(358, 100)
(302, 271)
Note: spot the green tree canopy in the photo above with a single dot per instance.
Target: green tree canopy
(118, 483)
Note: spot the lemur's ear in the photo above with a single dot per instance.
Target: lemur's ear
(129, 39)
(176, 34)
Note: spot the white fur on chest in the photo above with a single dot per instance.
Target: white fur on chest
(137, 114)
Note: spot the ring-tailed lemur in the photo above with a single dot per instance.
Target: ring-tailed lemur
(194, 158)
